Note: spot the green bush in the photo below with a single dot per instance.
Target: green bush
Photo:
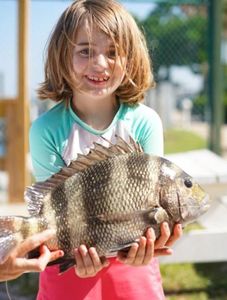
(200, 106)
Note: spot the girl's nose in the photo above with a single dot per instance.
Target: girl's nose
(100, 61)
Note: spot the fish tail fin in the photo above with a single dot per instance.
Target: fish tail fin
(13, 230)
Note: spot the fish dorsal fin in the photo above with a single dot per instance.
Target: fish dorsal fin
(121, 146)
(35, 194)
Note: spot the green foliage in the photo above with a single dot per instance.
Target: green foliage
(175, 38)
(195, 281)
(199, 106)
(225, 93)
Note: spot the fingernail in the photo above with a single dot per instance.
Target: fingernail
(92, 250)
(83, 249)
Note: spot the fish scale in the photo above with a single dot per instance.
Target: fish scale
(106, 199)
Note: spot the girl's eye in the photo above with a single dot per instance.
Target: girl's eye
(86, 52)
(112, 53)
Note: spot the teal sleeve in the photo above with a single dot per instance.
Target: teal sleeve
(152, 136)
(46, 159)
(148, 130)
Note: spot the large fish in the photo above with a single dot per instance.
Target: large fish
(106, 199)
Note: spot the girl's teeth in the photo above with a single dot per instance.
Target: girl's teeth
(97, 79)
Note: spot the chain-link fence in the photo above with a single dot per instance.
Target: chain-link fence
(177, 36)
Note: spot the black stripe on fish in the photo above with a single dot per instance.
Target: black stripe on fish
(138, 167)
(98, 175)
(59, 204)
(25, 228)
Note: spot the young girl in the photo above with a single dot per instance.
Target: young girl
(98, 69)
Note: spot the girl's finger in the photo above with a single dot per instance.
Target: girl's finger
(140, 254)
(87, 261)
(164, 237)
(149, 251)
(36, 264)
(129, 259)
(80, 268)
(150, 234)
(56, 254)
(35, 241)
(177, 233)
(162, 252)
(97, 263)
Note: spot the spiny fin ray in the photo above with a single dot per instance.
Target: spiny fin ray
(35, 195)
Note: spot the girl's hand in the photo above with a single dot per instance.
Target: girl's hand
(140, 253)
(16, 263)
(166, 240)
(88, 263)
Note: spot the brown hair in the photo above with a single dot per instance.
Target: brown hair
(111, 18)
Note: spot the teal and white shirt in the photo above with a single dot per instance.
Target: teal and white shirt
(58, 135)
(55, 139)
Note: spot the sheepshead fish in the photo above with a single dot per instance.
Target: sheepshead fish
(106, 199)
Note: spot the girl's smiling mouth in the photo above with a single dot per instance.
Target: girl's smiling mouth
(96, 79)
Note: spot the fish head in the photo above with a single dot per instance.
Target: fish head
(181, 196)
(193, 201)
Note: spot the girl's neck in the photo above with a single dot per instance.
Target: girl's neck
(97, 113)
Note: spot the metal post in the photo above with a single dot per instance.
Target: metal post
(215, 76)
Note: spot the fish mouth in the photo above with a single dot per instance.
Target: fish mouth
(205, 205)
(192, 211)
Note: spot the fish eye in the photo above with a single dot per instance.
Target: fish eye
(188, 183)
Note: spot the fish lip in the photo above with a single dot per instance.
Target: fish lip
(179, 207)
(206, 202)
(205, 205)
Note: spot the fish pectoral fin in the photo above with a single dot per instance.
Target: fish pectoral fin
(157, 215)
(66, 264)
(118, 247)
(124, 216)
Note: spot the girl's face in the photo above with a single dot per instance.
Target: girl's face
(98, 72)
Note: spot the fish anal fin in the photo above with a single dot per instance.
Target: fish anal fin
(120, 247)
(66, 264)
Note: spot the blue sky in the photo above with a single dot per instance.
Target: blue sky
(43, 16)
